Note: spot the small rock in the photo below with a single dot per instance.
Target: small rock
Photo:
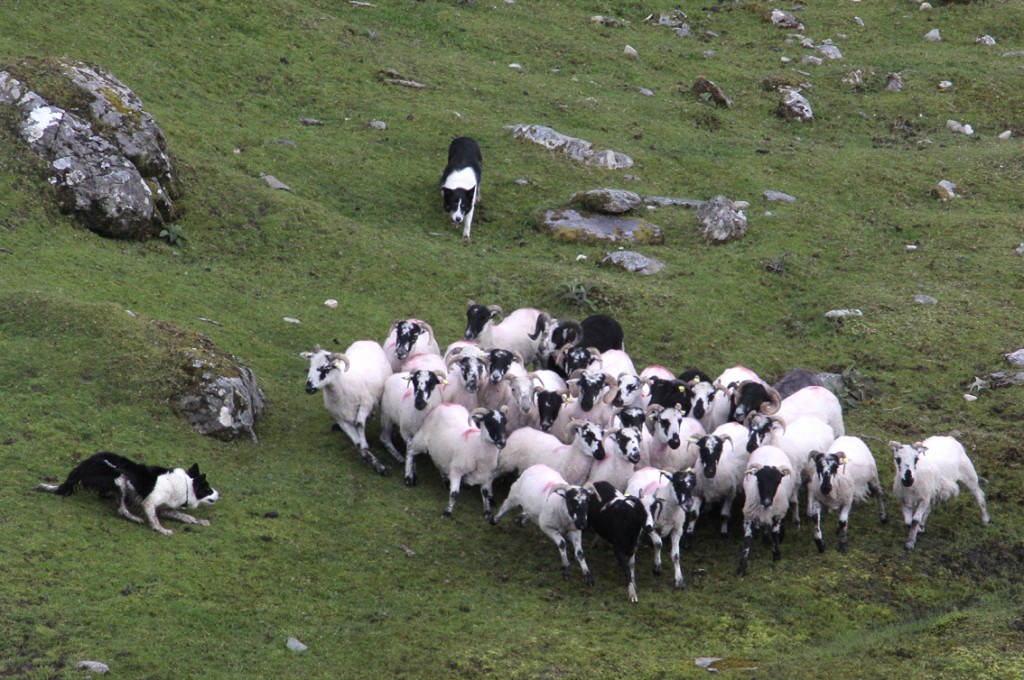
(631, 52)
(516, 66)
(645, 92)
(933, 35)
(782, 19)
(911, 247)
(812, 60)
(945, 84)
(794, 106)
(722, 219)
(295, 645)
(1015, 358)
(608, 201)
(92, 667)
(944, 190)
(311, 121)
(333, 304)
(1005, 135)
(829, 51)
(955, 126)
(522, 182)
(378, 125)
(663, 201)
(970, 397)
(894, 82)
(925, 300)
(841, 313)
(860, 22)
(274, 183)
(924, 6)
(634, 262)
(1019, 249)
(289, 319)
(683, 31)
(704, 87)
(985, 40)
(770, 195)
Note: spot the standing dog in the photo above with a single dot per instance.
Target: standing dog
(156, 490)
(460, 182)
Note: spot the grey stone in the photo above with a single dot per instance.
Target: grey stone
(662, 201)
(707, 89)
(295, 645)
(933, 35)
(770, 195)
(611, 201)
(574, 147)
(842, 313)
(944, 190)
(1019, 249)
(1006, 378)
(92, 667)
(829, 51)
(1015, 358)
(794, 106)
(722, 219)
(566, 224)
(634, 262)
(221, 397)
(683, 31)
(274, 183)
(894, 82)
(925, 300)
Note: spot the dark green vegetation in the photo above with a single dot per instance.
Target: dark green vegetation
(307, 541)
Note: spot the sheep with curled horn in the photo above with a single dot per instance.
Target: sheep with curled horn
(752, 395)
(517, 332)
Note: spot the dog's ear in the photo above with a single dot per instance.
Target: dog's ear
(194, 470)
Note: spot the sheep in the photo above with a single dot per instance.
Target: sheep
(819, 402)
(591, 394)
(570, 359)
(407, 338)
(661, 446)
(620, 520)
(527, 447)
(842, 475)
(549, 394)
(726, 384)
(559, 509)
(722, 458)
(408, 399)
(615, 362)
(464, 364)
(798, 439)
(353, 392)
(674, 495)
(598, 331)
(464, 447)
(928, 472)
(618, 457)
(519, 332)
(508, 384)
(767, 487)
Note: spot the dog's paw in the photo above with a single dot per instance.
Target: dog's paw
(165, 532)
(203, 522)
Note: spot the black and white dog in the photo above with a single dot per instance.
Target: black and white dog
(460, 182)
(156, 490)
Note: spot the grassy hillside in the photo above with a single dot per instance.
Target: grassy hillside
(309, 542)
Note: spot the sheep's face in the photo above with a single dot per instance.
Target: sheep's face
(549, 404)
(683, 484)
(701, 399)
(627, 443)
(632, 416)
(590, 386)
(478, 317)
(321, 364)
(629, 390)
(471, 369)
(522, 393)
(577, 358)
(665, 426)
(591, 435)
(493, 425)
(498, 363)
(760, 427)
(826, 466)
(423, 384)
(404, 335)
(905, 457)
(709, 451)
(577, 504)
(769, 478)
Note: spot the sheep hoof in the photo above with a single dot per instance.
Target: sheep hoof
(680, 585)
(447, 514)
(843, 547)
(821, 546)
(410, 481)
(909, 546)
(589, 578)
(565, 573)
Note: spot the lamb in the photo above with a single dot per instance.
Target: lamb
(722, 459)
(674, 495)
(620, 520)
(407, 338)
(527, 447)
(519, 332)
(767, 486)
(351, 394)
(618, 457)
(843, 475)
(408, 399)
(464, 447)
(928, 472)
(559, 509)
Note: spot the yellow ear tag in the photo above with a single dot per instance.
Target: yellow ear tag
(445, 381)
(336, 363)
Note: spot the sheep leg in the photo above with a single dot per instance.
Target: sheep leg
(410, 467)
(677, 533)
(626, 563)
(844, 528)
(876, 490)
(819, 538)
(748, 540)
(357, 434)
(455, 483)
(656, 542)
(778, 530)
(577, 544)
(979, 498)
(509, 503)
(522, 520)
(726, 515)
(916, 524)
(386, 441)
(691, 522)
(488, 497)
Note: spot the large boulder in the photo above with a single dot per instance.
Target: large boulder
(107, 158)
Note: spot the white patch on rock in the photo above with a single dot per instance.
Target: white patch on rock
(41, 119)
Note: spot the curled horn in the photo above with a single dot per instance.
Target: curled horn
(430, 331)
(771, 406)
(595, 352)
(577, 329)
(337, 358)
(725, 437)
(778, 421)
(518, 357)
(453, 358)
(542, 323)
(474, 413)
(495, 310)
(613, 385)
(470, 304)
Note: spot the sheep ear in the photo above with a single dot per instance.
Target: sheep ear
(306, 355)
(895, 446)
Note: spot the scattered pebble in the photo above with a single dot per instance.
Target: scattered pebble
(1005, 135)
(925, 300)
(92, 667)
(985, 40)
(333, 304)
(289, 319)
(631, 52)
(311, 121)
(911, 247)
(840, 313)
(516, 66)
(581, 257)
(273, 182)
(770, 195)
(378, 125)
(924, 6)
(295, 645)
(933, 35)
(1015, 358)
(945, 190)
(970, 397)
(955, 126)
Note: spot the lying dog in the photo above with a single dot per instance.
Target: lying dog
(460, 182)
(157, 491)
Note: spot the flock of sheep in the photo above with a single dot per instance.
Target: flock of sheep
(593, 442)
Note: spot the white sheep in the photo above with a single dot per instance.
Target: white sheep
(464, 365)
(519, 332)
(464, 447)
(352, 383)
(767, 487)
(722, 459)
(674, 494)
(664, 441)
(408, 399)
(620, 452)
(509, 385)
(814, 401)
(527, 447)
(559, 509)
(840, 476)
(407, 338)
(928, 472)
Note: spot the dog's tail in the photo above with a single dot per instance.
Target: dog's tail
(64, 489)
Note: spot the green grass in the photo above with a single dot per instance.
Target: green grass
(307, 541)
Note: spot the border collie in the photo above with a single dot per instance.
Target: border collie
(460, 182)
(156, 490)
